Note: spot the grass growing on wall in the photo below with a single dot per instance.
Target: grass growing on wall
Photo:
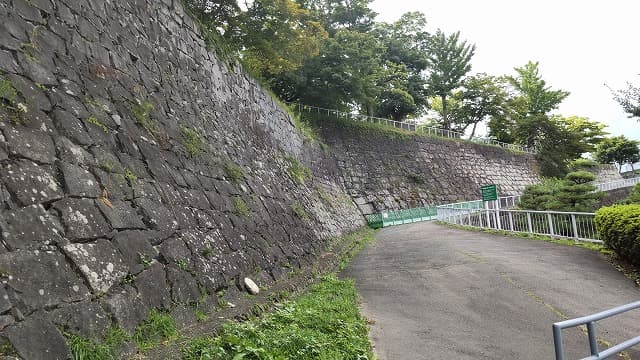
(323, 323)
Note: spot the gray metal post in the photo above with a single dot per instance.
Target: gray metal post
(486, 207)
(511, 221)
(593, 339)
(575, 227)
(557, 342)
(529, 222)
(550, 224)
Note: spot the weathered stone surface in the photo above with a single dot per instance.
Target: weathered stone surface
(184, 287)
(153, 288)
(157, 215)
(121, 215)
(30, 227)
(99, 262)
(31, 144)
(37, 338)
(125, 307)
(79, 182)
(31, 183)
(86, 318)
(82, 219)
(41, 279)
(136, 249)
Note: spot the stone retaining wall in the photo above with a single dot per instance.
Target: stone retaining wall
(138, 171)
(393, 171)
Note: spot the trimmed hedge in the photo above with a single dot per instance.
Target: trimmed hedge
(619, 228)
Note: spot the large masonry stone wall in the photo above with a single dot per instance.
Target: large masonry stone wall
(104, 214)
(383, 172)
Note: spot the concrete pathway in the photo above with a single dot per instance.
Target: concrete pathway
(441, 293)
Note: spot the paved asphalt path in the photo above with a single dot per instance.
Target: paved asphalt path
(434, 292)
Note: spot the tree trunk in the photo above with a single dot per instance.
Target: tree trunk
(473, 131)
(445, 122)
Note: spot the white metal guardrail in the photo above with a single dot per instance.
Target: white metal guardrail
(569, 225)
(590, 322)
(412, 127)
(618, 184)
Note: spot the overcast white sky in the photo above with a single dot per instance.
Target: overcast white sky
(581, 45)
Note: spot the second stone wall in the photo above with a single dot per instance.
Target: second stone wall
(383, 170)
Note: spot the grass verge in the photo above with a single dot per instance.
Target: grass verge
(323, 323)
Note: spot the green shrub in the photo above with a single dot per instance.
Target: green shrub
(299, 210)
(634, 198)
(233, 171)
(157, 328)
(299, 173)
(192, 141)
(574, 193)
(582, 164)
(619, 228)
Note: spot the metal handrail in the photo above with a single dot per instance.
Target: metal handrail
(618, 184)
(569, 225)
(451, 134)
(590, 322)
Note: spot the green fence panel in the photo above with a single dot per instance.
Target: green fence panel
(404, 216)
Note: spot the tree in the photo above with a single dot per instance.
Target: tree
(619, 150)
(406, 42)
(449, 60)
(536, 101)
(629, 99)
(397, 104)
(563, 140)
(278, 36)
(343, 76)
(480, 97)
(573, 193)
(336, 15)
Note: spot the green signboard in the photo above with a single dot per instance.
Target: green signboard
(489, 192)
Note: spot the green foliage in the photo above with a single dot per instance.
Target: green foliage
(299, 210)
(141, 111)
(94, 121)
(8, 92)
(308, 131)
(323, 323)
(298, 172)
(157, 328)
(634, 198)
(241, 207)
(619, 228)
(449, 60)
(618, 150)
(233, 171)
(10, 101)
(582, 164)
(397, 104)
(87, 349)
(571, 194)
(192, 141)
(130, 176)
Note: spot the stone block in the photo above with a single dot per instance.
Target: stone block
(82, 219)
(41, 279)
(100, 263)
(79, 182)
(37, 338)
(31, 227)
(31, 183)
(153, 287)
